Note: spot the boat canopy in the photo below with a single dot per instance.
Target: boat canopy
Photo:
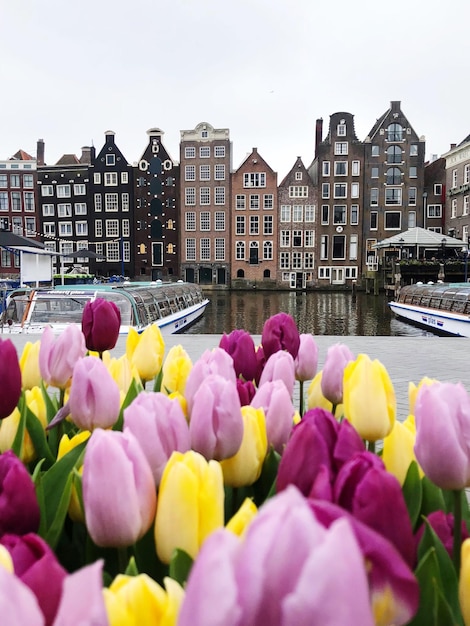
(444, 296)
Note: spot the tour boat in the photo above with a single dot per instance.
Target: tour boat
(443, 307)
(171, 306)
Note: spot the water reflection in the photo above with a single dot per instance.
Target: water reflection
(320, 313)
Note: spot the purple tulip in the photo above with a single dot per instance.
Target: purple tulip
(279, 366)
(19, 509)
(216, 423)
(216, 361)
(18, 602)
(306, 361)
(280, 332)
(279, 411)
(10, 375)
(260, 363)
(37, 566)
(443, 525)
(101, 323)
(119, 494)
(316, 450)
(240, 345)
(442, 446)
(246, 391)
(95, 399)
(374, 496)
(57, 356)
(159, 425)
(337, 357)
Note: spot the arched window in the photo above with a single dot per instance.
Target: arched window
(393, 176)
(240, 251)
(395, 132)
(394, 154)
(267, 250)
(267, 274)
(240, 273)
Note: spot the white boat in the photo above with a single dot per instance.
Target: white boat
(171, 306)
(443, 308)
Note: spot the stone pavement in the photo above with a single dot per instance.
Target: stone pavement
(406, 358)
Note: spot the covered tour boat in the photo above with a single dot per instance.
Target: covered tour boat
(442, 307)
(172, 306)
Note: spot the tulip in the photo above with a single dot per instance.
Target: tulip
(398, 448)
(143, 600)
(279, 411)
(75, 509)
(118, 489)
(246, 391)
(464, 582)
(413, 392)
(244, 468)
(19, 510)
(176, 369)
(37, 566)
(159, 426)
(29, 365)
(121, 371)
(18, 603)
(242, 518)
(306, 361)
(443, 525)
(145, 351)
(369, 398)
(279, 366)
(316, 399)
(442, 445)
(260, 363)
(57, 356)
(94, 399)
(190, 504)
(241, 347)
(10, 375)
(6, 562)
(101, 323)
(337, 357)
(216, 424)
(215, 361)
(280, 332)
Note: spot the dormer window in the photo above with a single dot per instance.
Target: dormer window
(341, 129)
(110, 159)
(395, 132)
(204, 134)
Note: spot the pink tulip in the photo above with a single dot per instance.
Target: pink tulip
(306, 361)
(101, 323)
(216, 361)
(159, 425)
(10, 375)
(95, 399)
(279, 366)
(19, 604)
(58, 355)
(19, 509)
(337, 357)
(240, 345)
(279, 412)
(280, 332)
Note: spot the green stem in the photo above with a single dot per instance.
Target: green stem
(333, 409)
(61, 398)
(457, 529)
(301, 403)
(122, 559)
(371, 446)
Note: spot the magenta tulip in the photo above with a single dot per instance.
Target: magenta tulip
(442, 446)
(216, 423)
(443, 525)
(19, 509)
(279, 366)
(101, 322)
(119, 494)
(306, 361)
(95, 399)
(246, 391)
(36, 566)
(10, 375)
(216, 361)
(260, 363)
(240, 345)
(274, 398)
(280, 332)
(337, 357)
(159, 425)
(58, 355)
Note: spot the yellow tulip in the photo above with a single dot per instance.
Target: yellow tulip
(137, 600)
(176, 369)
(316, 399)
(182, 400)
(122, 372)
(398, 449)
(369, 398)
(29, 365)
(5, 559)
(244, 468)
(145, 351)
(464, 582)
(190, 504)
(242, 518)
(413, 392)
(65, 445)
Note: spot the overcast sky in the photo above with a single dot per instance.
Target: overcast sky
(265, 69)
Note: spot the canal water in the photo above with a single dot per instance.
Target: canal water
(319, 313)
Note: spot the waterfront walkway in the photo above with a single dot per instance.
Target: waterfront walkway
(406, 358)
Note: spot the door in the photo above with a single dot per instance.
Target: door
(292, 280)
(337, 275)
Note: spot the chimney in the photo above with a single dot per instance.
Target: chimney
(40, 148)
(87, 153)
(318, 133)
(453, 145)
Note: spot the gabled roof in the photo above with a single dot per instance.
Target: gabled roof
(255, 156)
(21, 155)
(298, 165)
(466, 140)
(68, 159)
(12, 240)
(420, 237)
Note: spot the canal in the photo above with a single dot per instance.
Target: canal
(319, 313)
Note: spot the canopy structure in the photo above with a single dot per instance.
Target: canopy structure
(416, 239)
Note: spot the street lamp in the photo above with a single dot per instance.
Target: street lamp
(401, 241)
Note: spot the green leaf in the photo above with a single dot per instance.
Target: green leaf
(433, 498)
(180, 566)
(50, 402)
(265, 486)
(158, 381)
(17, 445)
(427, 573)
(54, 530)
(146, 559)
(38, 437)
(413, 493)
(131, 569)
(134, 389)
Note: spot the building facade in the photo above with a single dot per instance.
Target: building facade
(434, 195)
(457, 217)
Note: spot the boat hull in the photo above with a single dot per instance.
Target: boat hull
(440, 322)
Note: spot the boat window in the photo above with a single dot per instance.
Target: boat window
(446, 303)
(124, 305)
(458, 306)
(58, 310)
(435, 302)
(425, 300)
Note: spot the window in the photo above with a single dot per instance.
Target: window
(297, 213)
(309, 260)
(355, 168)
(4, 201)
(374, 218)
(309, 238)
(254, 201)
(354, 190)
(220, 195)
(48, 210)
(393, 176)
(125, 228)
(339, 214)
(297, 238)
(414, 149)
(111, 202)
(205, 220)
(453, 208)
(268, 250)
(284, 261)
(190, 196)
(219, 151)
(374, 172)
(285, 213)
(309, 212)
(110, 159)
(98, 228)
(124, 178)
(341, 190)
(438, 190)
(205, 249)
(268, 201)
(392, 195)
(79, 189)
(353, 248)
(394, 154)
(354, 214)
(64, 210)
(412, 193)
(466, 174)
(47, 190)
(204, 172)
(97, 178)
(412, 219)
(125, 201)
(190, 249)
(298, 191)
(326, 168)
(81, 229)
(205, 195)
(65, 229)
(454, 178)
(375, 150)
(298, 176)
(98, 205)
(17, 225)
(29, 201)
(49, 229)
(219, 172)
(66, 247)
(325, 214)
(285, 238)
(15, 180)
(240, 201)
(324, 247)
(63, 191)
(4, 181)
(190, 153)
(189, 172)
(110, 179)
(395, 132)
(30, 226)
(190, 220)
(112, 228)
(240, 225)
(465, 206)
(341, 147)
(254, 225)
(339, 247)
(240, 250)
(205, 152)
(341, 168)
(28, 182)
(254, 179)
(341, 130)
(15, 201)
(325, 190)
(220, 220)
(296, 260)
(267, 225)
(220, 249)
(392, 220)
(413, 172)
(112, 251)
(434, 210)
(374, 197)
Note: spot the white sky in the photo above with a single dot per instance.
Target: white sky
(265, 69)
